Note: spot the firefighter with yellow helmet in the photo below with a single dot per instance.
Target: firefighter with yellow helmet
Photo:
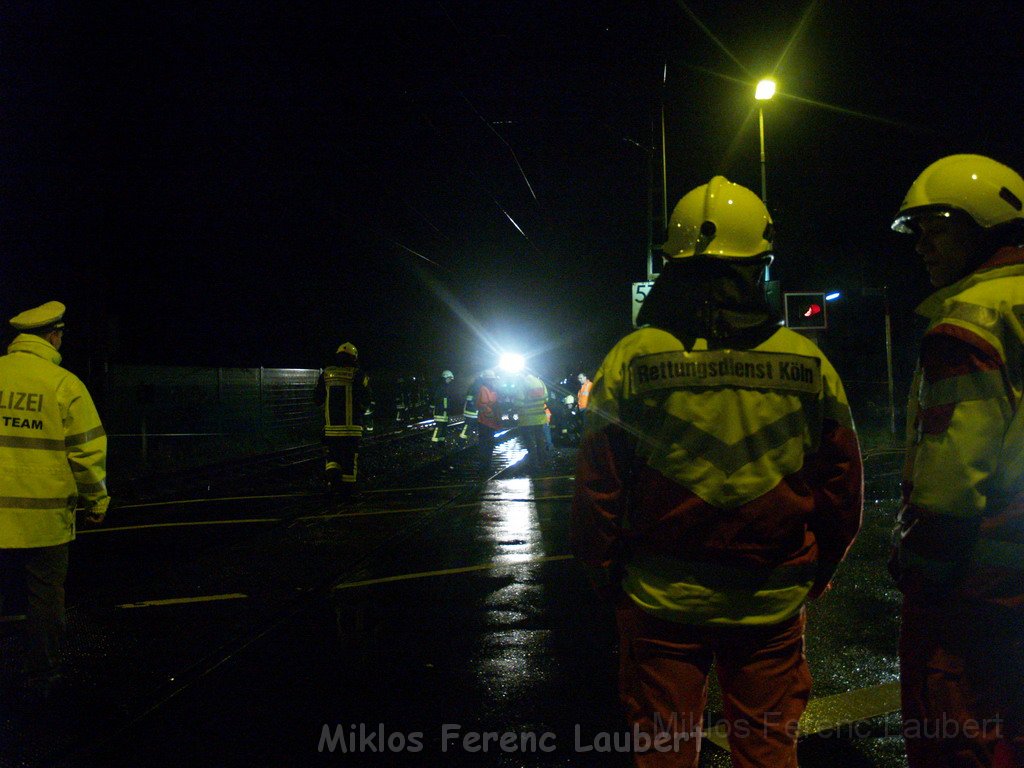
(343, 391)
(53, 453)
(718, 486)
(959, 541)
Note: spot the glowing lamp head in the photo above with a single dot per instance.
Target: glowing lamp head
(765, 89)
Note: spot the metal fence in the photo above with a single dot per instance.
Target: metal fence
(162, 418)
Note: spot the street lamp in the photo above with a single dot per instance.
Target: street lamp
(764, 91)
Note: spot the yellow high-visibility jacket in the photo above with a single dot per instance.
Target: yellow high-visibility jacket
(532, 395)
(962, 523)
(718, 487)
(53, 449)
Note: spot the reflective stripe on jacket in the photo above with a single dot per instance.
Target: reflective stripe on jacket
(53, 449)
(962, 523)
(469, 406)
(719, 486)
(343, 391)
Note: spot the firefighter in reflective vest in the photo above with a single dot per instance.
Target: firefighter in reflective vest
(582, 401)
(583, 396)
(343, 390)
(718, 486)
(443, 405)
(53, 453)
(531, 396)
(959, 542)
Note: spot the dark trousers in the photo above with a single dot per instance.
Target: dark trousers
(43, 571)
(961, 684)
(485, 444)
(536, 445)
(343, 458)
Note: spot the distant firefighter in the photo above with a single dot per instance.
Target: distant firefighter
(402, 401)
(531, 404)
(444, 398)
(53, 454)
(582, 401)
(469, 412)
(488, 416)
(343, 390)
(583, 396)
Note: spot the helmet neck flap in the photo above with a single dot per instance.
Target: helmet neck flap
(720, 300)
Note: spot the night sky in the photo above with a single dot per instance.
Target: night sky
(252, 183)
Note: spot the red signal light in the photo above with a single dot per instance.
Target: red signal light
(805, 311)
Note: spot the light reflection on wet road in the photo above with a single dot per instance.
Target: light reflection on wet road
(476, 621)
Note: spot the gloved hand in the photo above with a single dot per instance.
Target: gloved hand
(95, 516)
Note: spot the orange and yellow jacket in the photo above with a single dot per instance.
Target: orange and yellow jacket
(716, 486)
(53, 449)
(962, 522)
(583, 396)
(488, 411)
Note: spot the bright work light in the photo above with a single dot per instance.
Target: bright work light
(511, 362)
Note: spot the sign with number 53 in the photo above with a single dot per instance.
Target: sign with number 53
(640, 291)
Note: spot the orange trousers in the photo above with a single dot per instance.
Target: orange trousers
(663, 683)
(961, 684)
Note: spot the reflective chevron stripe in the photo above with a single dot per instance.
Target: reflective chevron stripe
(726, 457)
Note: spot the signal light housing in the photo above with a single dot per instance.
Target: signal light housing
(806, 311)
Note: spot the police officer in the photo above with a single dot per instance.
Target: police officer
(718, 486)
(343, 390)
(959, 541)
(53, 453)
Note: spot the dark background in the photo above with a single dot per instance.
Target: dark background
(252, 183)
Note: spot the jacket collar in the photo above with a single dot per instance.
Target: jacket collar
(35, 345)
(1006, 262)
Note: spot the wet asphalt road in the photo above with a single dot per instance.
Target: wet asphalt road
(440, 622)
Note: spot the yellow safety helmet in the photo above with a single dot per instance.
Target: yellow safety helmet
(348, 348)
(447, 375)
(719, 219)
(989, 192)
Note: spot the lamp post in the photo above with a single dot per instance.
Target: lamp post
(764, 91)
